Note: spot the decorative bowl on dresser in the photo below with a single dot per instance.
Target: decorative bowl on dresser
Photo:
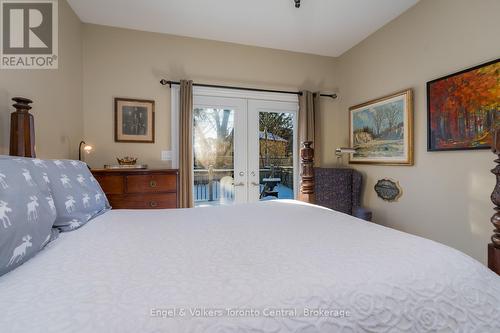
(139, 189)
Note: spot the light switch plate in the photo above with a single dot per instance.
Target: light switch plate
(166, 155)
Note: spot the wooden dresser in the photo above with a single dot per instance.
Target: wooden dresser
(139, 189)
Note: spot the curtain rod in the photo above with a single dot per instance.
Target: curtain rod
(170, 83)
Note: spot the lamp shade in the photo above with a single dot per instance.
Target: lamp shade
(86, 148)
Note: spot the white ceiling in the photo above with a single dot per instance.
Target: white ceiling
(324, 27)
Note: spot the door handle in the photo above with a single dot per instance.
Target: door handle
(239, 184)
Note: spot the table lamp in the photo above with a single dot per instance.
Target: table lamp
(86, 148)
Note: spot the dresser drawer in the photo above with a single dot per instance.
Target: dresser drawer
(139, 188)
(151, 183)
(111, 184)
(146, 201)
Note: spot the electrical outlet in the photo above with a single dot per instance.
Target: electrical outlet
(166, 155)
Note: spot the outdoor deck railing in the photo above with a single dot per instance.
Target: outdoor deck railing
(207, 186)
(207, 182)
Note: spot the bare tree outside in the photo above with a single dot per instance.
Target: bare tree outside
(275, 125)
(213, 137)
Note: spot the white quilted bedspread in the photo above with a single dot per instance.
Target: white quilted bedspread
(266, 267)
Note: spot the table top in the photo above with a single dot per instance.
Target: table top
(271, 179)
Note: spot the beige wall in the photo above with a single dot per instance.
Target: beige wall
(57, 95)
(127, 63)
(446, 194)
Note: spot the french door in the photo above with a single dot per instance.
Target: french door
(244, 150)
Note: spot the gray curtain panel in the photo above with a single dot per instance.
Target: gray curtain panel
(186, 144)
(308, 111)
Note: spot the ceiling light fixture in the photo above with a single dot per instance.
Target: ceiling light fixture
(297, 3)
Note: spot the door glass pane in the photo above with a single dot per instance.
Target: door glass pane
(213, 149)
(276, 155)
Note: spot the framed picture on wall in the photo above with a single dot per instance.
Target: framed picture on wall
(134, 120)
(381, 130)
(463, 107)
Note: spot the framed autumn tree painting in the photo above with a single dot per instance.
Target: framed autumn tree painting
(463, 108)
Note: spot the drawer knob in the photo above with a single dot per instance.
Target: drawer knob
(152, 183)
(153, 204)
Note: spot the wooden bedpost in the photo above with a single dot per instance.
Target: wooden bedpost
(307, 173)
(494, 246)
(22, 129)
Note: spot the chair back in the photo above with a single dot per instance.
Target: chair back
(338, 188)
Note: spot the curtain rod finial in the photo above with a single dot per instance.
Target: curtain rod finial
(163, 82)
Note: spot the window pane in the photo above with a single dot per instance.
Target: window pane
(213, 149)
(276, 155)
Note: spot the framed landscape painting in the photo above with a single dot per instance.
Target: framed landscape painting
(381, 130)
(134, 120)
(462, 108)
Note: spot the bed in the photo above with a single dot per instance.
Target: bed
(276, 266)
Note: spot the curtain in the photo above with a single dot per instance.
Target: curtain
(308, 111)
(186, 144)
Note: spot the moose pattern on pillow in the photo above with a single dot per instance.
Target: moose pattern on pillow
(27, 212)
(78, 197)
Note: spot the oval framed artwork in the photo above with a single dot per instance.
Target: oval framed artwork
(388, 189)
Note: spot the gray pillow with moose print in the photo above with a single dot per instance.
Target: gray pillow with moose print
(77, 195)
(27, 212)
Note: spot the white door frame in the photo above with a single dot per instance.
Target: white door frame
(265, 101)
